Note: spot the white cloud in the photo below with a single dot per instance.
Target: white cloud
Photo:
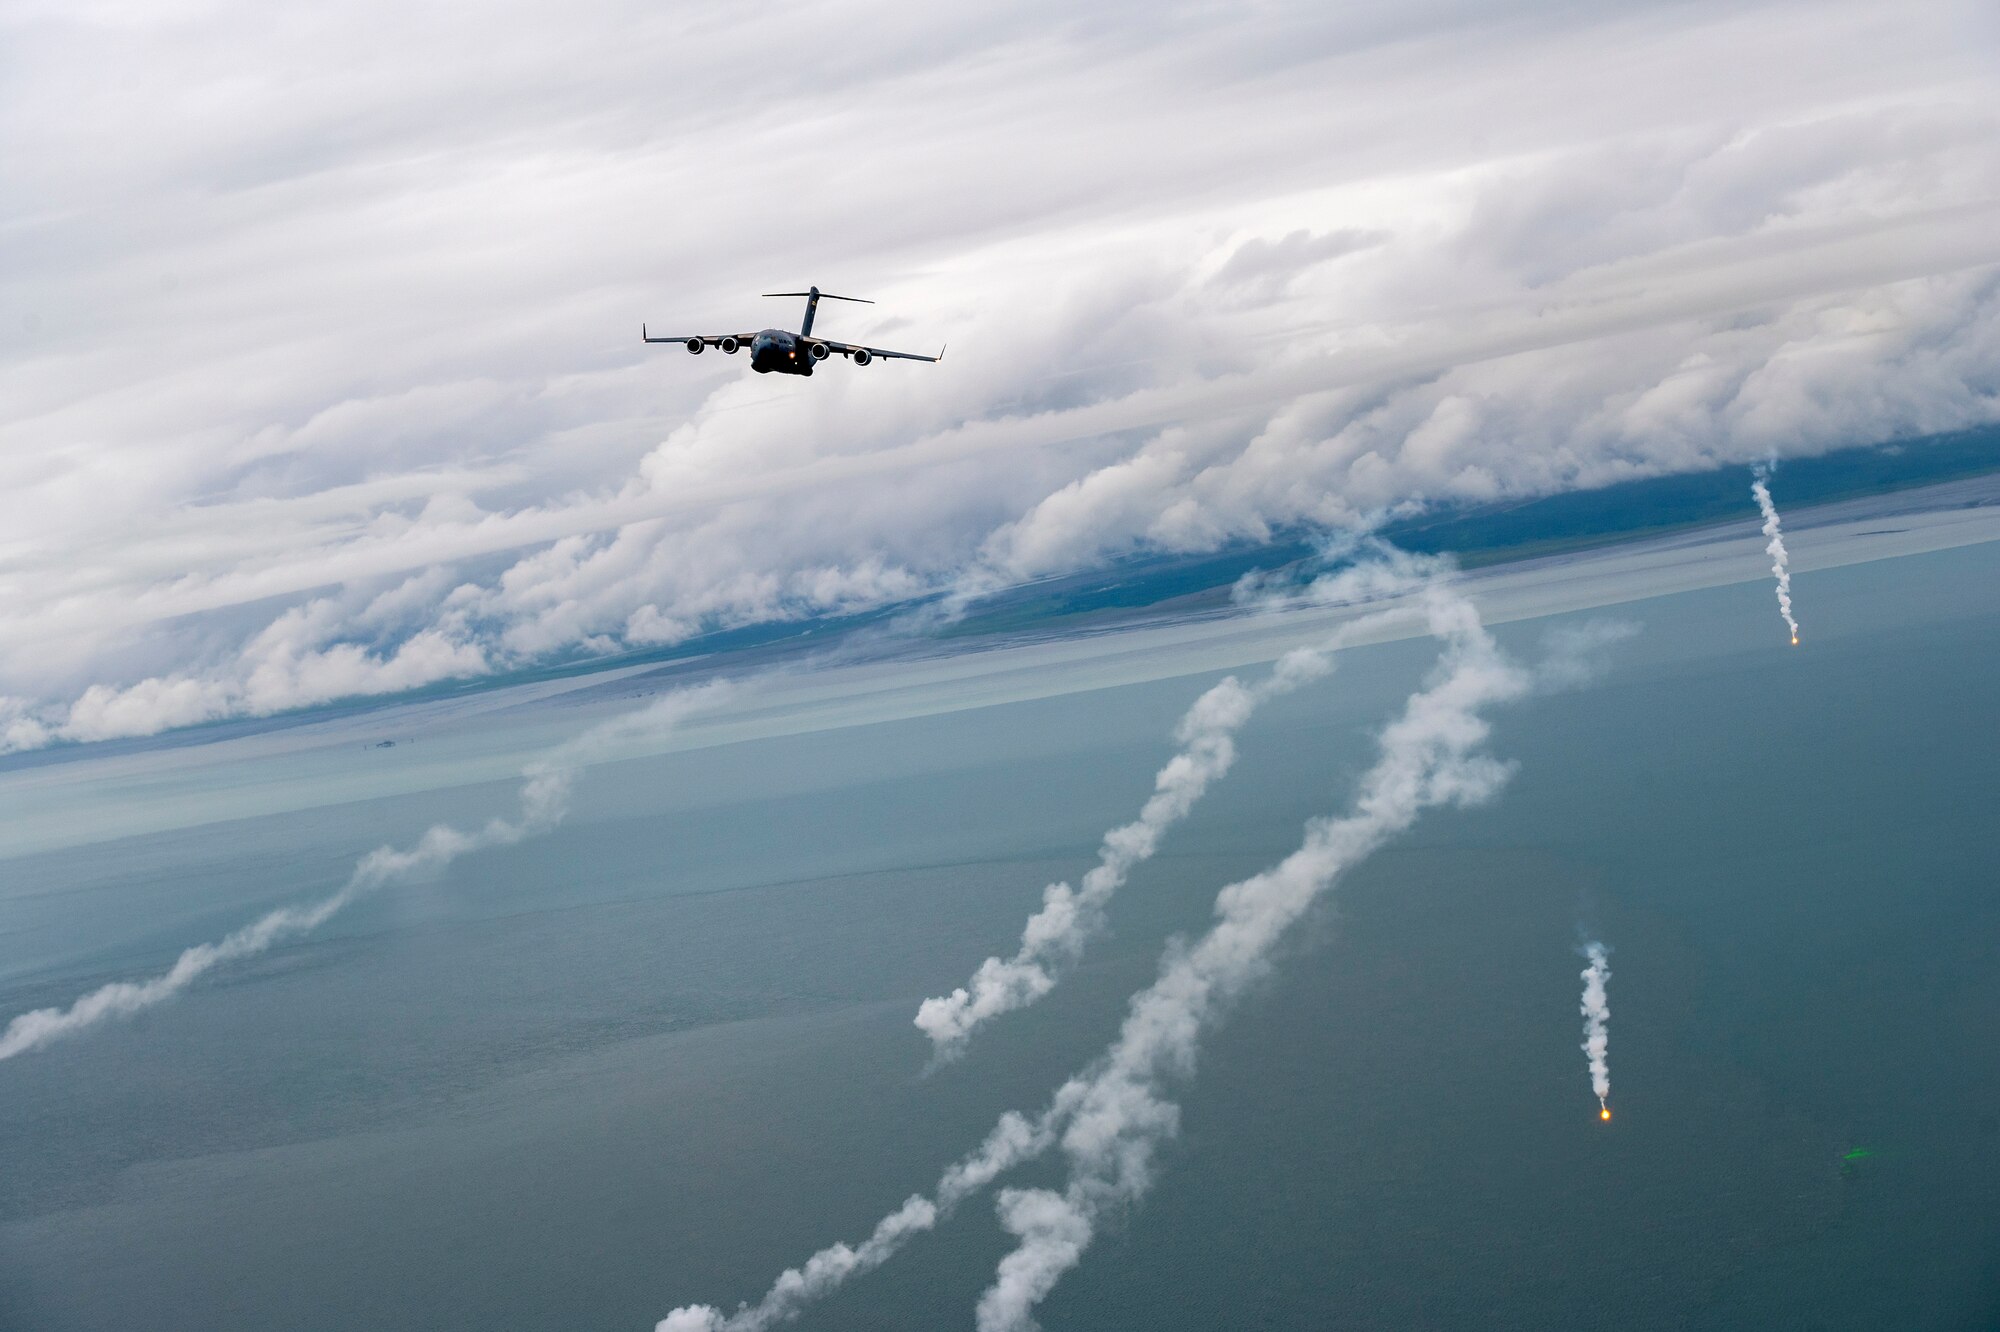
(319, 375)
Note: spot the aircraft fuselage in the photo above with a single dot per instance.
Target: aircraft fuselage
(776, 351)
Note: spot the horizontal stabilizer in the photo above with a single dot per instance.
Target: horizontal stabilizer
(823, 295)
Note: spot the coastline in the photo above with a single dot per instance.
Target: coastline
(486, 735)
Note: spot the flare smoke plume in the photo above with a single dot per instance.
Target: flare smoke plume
(1014, 1139)
(1780, 561)
(1055, 936)
(1121, 1116)
(545, 790)
(1596, 1024)
(1112, 1118)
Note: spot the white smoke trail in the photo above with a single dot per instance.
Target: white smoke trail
(1111, 1118)
(1014, 1139)
(1780, 561)
(1596, 1024)
(1055, 936)
(544, 795)
(1121, 1116)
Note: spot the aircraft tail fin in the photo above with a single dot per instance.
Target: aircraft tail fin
(813, 297)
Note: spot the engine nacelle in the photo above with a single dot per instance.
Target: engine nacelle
(729, 345)
(862, 357)
(820, 351)
(695, 345)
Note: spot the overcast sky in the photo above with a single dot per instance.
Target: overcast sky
(319, 359)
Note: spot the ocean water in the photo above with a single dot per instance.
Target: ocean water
(665, 1051)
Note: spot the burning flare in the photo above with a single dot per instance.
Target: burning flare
(1596, 1025)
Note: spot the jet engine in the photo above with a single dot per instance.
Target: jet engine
(729, 345)
(820, 351)
(862, 357)
(695, 345)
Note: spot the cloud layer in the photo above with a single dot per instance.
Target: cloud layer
(320, 370)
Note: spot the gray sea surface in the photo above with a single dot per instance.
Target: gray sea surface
(665, 1051)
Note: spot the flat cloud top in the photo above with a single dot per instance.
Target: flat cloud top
(319, 375)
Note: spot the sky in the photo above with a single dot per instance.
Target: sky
(320, 371)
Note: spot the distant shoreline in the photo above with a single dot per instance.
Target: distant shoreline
(214, 775)
(1135, 593)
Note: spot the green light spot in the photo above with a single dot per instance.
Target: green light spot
(1858, 1154)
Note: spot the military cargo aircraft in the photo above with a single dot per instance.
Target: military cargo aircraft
(777, 351)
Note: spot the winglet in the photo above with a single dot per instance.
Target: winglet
(642, 334)
(941, 351)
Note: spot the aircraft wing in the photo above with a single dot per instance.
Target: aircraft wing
(849, 349)
(706, 339)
